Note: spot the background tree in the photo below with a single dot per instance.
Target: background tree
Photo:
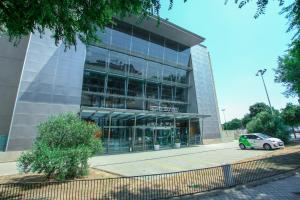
(273, 125)
(62, 148)
(233, 124)
(258, 108)
(288, 71)
(246, 119)
(291, 116)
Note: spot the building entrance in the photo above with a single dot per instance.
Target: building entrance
(165, 137)
(134, 130)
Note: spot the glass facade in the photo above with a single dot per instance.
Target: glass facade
(136, 70)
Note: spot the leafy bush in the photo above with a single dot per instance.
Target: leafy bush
(233, 124)
(265, 122)
(62, 148)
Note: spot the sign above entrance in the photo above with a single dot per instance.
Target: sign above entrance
(163, 109)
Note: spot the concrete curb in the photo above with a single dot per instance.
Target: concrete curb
(218, 192)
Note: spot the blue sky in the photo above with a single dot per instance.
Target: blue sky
(239, 45)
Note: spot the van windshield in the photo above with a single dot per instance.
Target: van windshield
(263, 136)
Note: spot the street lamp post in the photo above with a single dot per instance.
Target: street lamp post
(261, 73)
(223, 110)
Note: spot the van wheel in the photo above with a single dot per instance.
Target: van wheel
(267, 147)
(242, 146)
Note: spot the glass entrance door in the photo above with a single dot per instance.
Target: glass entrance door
(165, 137)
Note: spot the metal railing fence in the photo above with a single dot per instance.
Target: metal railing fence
(157, 186)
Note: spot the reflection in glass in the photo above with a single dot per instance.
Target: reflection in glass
(150, 104)
(154, 70)
(156, 48)
(104, 35)
(92, 100)
(184, 55)
(140, 41)
(135, 104)
(113, 102)
(167, 92)
(121, 35)
(93, 82)
(118, 62)
(137, 66)
(135, 88)
(116, 85)
(181, 76)
(169, 73)
(152, 90)
(96, 57)
(171, 51)
(181, 94)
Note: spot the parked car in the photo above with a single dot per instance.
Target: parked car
(259, 141)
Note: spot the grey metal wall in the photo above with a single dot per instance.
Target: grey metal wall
(205, 91)
(11, 63)
(51, 83)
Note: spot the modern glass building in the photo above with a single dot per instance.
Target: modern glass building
(142, 84)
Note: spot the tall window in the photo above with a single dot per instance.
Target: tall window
(167, 92)
(135, 88)
(96, 58)
(154, 70)
(152, 90)
(137, 66)
(181, 94)
(184, 55)
(93, 82)
(121, 35)
(118, 62)
(140, 41)
(182, 76)
(156, 48)
(135, 104)
(171, 51)
(104, 35)
(116, 85)
(114, 102)
(169, 73)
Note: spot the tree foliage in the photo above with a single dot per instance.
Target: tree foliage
(258, 108)
(291, 115)
(62, 148)
(246, 119)
(69, 19)
(233, 124)
(261, 5)
(288, 71)
(273, 125)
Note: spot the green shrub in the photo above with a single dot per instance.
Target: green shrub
(265, 122)
(62, 148)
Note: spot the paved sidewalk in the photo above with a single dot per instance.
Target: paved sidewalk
(153, 162)
(285, 189)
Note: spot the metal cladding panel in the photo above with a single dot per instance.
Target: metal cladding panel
(51, 83)
(11, 63)
(205, 91)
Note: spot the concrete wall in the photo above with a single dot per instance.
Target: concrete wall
(11, 63)
(205, 92)
(51, 83)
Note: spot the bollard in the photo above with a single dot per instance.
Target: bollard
(228, 176)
